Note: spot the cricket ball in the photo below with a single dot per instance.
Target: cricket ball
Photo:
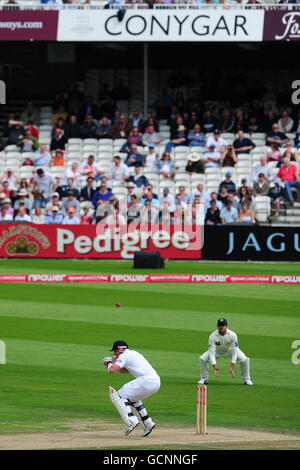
(118, 304)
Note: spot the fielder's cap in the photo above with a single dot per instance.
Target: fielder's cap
(222, 321)
(119, 344)
(277, 180)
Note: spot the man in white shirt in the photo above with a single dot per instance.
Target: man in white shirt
(71, 218)
(119, 171)
(229, 214)
(211, 157)
(224, 343)
(217, 140)
(204, 196)
(21, 215)
(46, 185)
(146, 382)
(264, 168)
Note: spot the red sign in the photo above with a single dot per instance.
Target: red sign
(94, 241)
(27, 25)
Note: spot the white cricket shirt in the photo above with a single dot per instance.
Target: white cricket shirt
(137, 365)
(223, 346)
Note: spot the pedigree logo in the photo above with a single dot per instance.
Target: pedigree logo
(21, 246)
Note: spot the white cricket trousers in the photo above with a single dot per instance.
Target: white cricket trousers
(139, 388)
(242, 359)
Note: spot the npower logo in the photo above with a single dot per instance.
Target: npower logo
(2, 92)
(129, 278)
(209, 278)
(47, 278)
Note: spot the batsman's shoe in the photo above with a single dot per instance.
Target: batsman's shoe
(148, 429)
(135, 422)
(248, 382)
(203, 382)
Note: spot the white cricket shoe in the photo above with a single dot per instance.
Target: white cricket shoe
(134, 423)
(203, 382)
(248, 382)
(148, 429)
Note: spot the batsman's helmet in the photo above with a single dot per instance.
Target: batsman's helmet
(119, 344)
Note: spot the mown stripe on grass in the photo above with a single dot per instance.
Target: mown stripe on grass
(241, 322)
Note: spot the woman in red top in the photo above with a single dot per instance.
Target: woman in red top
(86, 218)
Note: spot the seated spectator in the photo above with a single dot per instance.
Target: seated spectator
(195, 164)
(130, 188)
(53, 201)
(204, 197)
(58, 140)
(24, 199)
(196, 215)
(254, 125)
(211, 157)
(58, 158)
(277, 194)
(74, 173)
(150, 160)
(133, 210)
(133, 157)
(30, 114)
(104, 129)
(209, 122)
(240, 121)
(71, 218)
(274, 155)
(276, 136)
(136, 121)
(217, 141)
(61, 113)
(261, 187)
(70, 201)
(290, 152)
(59, 124)
(242, 144)
(45, 185)
(11, 180)
(22, 215)
(288, 173)
(246, 216)
(15, 130)
(89, 128)
(54, 216)
(243, 194)
(73, 128)
(151, 137)
(229, 214)
(5, 188)
(285, 123)
(269, 121)
(230, 185)
(119, 171)
(227, 121)
(181, 213)
(167, 198)
(86, 218)
(223, 194)
(91, 169)
(121, 129)
(149, 196)
(116, 218)
(64, 189)
(5, 216)
(264, 168)
(165, 166)
(182, 195)
(148, 212)
(192, 120)
(38, 217)
(87, 193)
(212, 216)
(27, 142)
(228, 157)
(102, 193)
(196, 137)
(42, 157)
(133, 139)
(138, 178)
(214, 197)
(150, 121)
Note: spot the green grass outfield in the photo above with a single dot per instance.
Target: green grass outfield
(57, 334)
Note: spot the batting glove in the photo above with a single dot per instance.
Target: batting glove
(107, 360)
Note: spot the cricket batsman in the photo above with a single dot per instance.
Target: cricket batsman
(128, 398)
(224, 343)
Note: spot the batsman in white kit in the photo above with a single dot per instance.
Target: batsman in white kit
(128, 398)
(224, 343)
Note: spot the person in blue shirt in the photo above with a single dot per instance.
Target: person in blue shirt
(54, 217)
(196, 137)
(277, 193)
(42, 157)
(133, 157)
